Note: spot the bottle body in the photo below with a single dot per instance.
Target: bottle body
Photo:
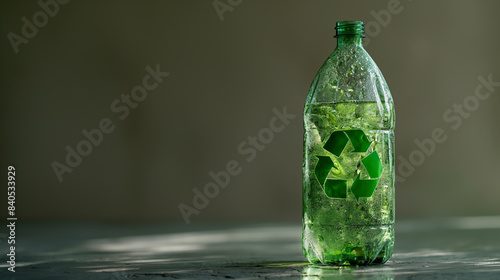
(348, 166)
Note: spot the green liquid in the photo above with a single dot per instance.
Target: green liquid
(346, 225)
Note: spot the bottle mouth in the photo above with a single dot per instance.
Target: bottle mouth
(350, 27)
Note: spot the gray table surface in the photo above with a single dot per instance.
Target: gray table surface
(453, 248)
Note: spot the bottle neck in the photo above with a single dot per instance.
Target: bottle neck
(349, 40)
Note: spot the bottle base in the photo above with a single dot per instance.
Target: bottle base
(348, 245)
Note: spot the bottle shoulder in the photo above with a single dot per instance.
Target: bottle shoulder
(349, 74)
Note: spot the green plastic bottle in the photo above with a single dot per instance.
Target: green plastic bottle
(348, 167)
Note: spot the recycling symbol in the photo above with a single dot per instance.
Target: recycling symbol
(336, 144)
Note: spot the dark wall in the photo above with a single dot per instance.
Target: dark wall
(225, 79)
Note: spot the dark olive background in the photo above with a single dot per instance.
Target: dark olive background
(225, 79)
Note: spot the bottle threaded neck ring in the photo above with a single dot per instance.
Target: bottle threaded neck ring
(350, 28)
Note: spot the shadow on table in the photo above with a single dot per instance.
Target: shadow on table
(245, 251)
